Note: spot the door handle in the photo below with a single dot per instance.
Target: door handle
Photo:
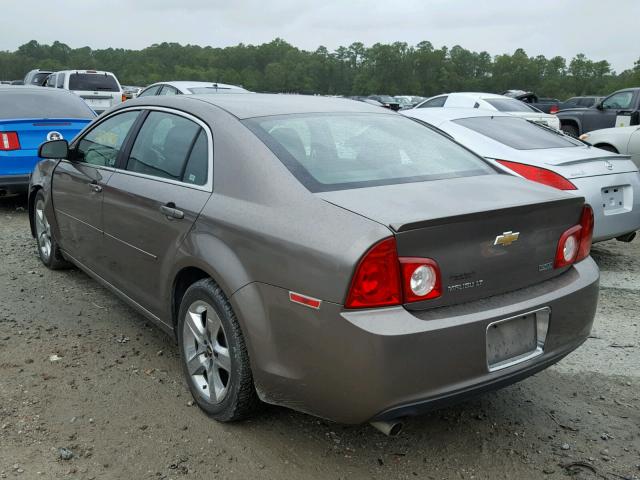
(95, 187)
(170, 211)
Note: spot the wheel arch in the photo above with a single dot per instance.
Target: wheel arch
(573, 122)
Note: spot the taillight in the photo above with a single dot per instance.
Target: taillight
(383, 279)
(376, 282)
(539, 175)
(9, 141)
(420, 279)
(575, 243)
(554, 109)
(586, 222)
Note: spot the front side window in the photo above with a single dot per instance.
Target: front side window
(618, 100)
(340, 151)
(163, 146)
(60, 80)
(51, 81)
(434, 102)
(150, 91)
(102, 145)
(572, 102)
(168, 90)
(517, 133)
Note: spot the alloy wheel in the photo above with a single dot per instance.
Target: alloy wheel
(43, 230)
(206, 352)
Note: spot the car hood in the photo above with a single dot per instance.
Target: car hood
(573, 111)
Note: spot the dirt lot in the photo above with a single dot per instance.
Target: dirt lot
(80, 370)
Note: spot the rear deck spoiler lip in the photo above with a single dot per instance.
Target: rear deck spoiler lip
(404, 227)
(608, 158)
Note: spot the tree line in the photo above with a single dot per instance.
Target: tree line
(277, 66)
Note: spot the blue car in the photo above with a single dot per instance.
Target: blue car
(30, 116)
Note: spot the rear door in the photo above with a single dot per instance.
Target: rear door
(78, 184)
(152, 201)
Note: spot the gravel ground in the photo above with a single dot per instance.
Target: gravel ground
(89, 389)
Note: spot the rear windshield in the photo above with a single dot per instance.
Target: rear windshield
(340, 151)
(518, 133)
(206, 90)
(509, 105)
(93, 81)
(42, 104)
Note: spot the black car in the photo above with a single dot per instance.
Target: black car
(587, 101)
(386, 101)
(620, 109)
(544, 104)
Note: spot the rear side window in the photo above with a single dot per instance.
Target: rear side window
(340, 151)
(39, 78)
(509, 105)
(517, 133)
(102, 145)
(93, 81)
(163, 145)
(43, 103)
(197, 169)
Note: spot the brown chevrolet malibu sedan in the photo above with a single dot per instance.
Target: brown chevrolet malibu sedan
(321, 254)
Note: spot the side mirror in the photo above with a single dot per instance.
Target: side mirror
(54, 149)
(600, 106)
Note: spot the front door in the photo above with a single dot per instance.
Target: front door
(616, 108)
(78, 185)
(152, 201)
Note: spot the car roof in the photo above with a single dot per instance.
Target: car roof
(35, 89)
(449, 114)
(190, 84)
(244, 106)
(96, 72)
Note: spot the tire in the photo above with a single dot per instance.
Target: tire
(213, 354)
(570, 130)
(48, 249)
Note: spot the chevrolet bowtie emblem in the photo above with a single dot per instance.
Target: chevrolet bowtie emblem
(507, 238)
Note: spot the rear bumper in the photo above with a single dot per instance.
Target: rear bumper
(611, 223)
(14, 183)
(355, 366)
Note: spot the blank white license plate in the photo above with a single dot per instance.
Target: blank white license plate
(511, 340)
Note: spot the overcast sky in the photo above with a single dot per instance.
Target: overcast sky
(547, 27)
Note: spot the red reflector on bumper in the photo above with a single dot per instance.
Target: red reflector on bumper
(304, 300)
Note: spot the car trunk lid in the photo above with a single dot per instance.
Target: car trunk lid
(33, 132)
(489, 235)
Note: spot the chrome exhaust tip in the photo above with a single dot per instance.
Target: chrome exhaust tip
(392, 428)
